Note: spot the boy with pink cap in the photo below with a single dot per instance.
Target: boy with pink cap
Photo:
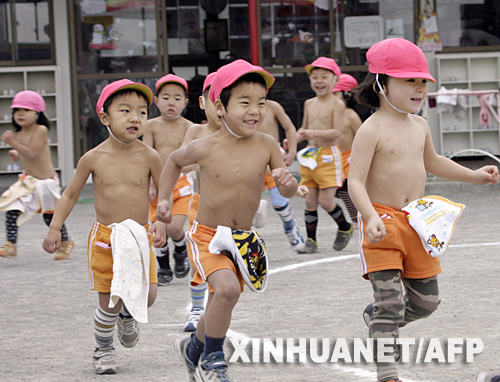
(165, 134)
(321, 161)
(229, 198)
(391, 154)
(37, 189)
(121, 168)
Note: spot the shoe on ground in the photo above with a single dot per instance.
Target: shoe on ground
(128, 331)
(181, 346)
(343, 238)
(8, 250)
(212, 368)
(182, 265)
(261, 216)
(310, 247)
(104, 361)
(295, 238)
(165, 276)
(193, 318)
(488, 377)
(65, 250)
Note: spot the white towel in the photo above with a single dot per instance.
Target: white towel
(434, 218)
(308, 157)
(131, 251)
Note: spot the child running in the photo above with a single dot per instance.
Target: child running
(321, 161)
(37, 188)
(391, 154)
(119, 248)
(165, 134)
(352, 122)
(232, 164)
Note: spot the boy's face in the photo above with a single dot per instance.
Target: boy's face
(171, 100)
(322, 81)
(245, 110)
(407, 94)
(25, 117)
(126, 117)
(207, 105)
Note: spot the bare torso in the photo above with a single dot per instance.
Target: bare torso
(167, 136)
(320, 116)
(40, 167)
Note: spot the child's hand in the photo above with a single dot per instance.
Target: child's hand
(375, 230)
(303, 192)
(307, 134)
(163, 212)
(9, 137)
(283, 177)
(288, 159)
(52, 241)
(285, 144)
(14, 155)
(159, 232)
(485, 175)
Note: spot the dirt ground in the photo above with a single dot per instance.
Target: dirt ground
(47, 308)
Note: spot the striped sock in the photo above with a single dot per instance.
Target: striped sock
(198, 294)
(286, 215)
(104, 327)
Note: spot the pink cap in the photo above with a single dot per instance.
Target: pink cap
(28, 99)
(345, 82)
(208, 81)
(228, 74)
(325, 63)
(398, 58)
(120, 85)
(171, 78)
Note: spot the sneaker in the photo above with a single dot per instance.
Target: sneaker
(104, 361)
(212, 368)
(310, 247)
(343, 238)
(182, 265)
(8, 250)
(488, 377)
(295, 238)
(128, 331)
(261, 216)
(193, 318)
(65, 250)
(165, 276)
(181, 346)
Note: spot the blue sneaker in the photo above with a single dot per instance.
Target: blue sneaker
(213, 368)
(295, 238)
(193, 318)
(181, 346)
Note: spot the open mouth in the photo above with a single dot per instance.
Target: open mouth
(132, 129)
(251, 122)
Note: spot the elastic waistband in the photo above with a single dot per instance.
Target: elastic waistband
(108, 229)
(202, 229)
(385, 209)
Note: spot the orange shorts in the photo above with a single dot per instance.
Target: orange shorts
(193, 208)
(100, 258)
(401, 249)
(346, 161)
(268, 182)
(206, 263)
(327, 174)
(183, 192)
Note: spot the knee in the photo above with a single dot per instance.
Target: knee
(229, 292)
(175, 232)
(153, 291)
(389, 311)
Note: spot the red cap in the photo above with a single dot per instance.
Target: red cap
(113, 87)
(345, 82)
(228, 74)
(28, 99)
(325, 63)
(208, 81)
(398, 58)
(171, 78)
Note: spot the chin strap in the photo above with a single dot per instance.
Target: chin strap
(172, 118)
(227, 127)
(116, 139)
(382, 91)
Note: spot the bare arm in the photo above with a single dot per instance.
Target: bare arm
(290, 131)
(304, 126)
(31, 151)
(158, 229)
(330, 134)
(285, 181)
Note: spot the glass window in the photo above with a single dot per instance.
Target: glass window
(116, 36)
(5, 34)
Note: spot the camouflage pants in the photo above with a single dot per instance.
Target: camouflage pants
(398, 301)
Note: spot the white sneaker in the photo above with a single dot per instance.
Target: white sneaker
(128, 331)
(261, 216)
(104, 361)
(295, 238)
(193, 318)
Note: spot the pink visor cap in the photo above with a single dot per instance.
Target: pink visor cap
(121, 85)
(30, 100)
(228, 74)
(398, 58)
(346, 82)
(325, 63)
(208, 81)
(171, 78)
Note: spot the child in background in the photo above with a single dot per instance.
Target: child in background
(391, 154)
(165, 134)
(121, 169)
(37, 189)
(321, 162)
(352, 122)
(230, 193)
